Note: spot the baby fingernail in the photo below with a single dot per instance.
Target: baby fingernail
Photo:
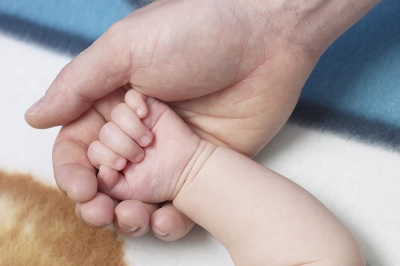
(145, 140)
(139, 157)
(139, 112)
(35, 107)
(120, 163)
(158, 232)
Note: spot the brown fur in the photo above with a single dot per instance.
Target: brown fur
(38, 227)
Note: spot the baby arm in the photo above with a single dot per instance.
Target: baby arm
(261, 217)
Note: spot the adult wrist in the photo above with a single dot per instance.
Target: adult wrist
(313, 25)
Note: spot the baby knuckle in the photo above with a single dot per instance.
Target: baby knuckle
(118, 110)
(105, 131)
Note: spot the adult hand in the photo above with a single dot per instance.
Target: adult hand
(229, 72)
(175, 50)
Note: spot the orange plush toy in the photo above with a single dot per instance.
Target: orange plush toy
(38, 227)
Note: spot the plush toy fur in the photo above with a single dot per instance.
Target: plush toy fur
(38, 227)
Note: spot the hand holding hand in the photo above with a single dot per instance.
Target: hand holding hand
(159, 172)
(231, 77)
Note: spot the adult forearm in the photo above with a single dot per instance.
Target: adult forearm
(312, 24)
(261, 217)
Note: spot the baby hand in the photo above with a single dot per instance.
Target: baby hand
(126, 170)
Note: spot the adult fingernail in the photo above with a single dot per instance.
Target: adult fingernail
(130, 230)
(127, 228)
(35, 107)
(158, 232)
(92, 224)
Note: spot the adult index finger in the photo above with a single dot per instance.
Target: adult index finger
(74, 173)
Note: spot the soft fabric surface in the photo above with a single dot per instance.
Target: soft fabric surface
(342, 143)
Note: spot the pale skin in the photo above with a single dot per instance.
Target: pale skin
(231, 69)
(215, 187)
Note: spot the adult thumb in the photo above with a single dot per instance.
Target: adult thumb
(97, 71)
